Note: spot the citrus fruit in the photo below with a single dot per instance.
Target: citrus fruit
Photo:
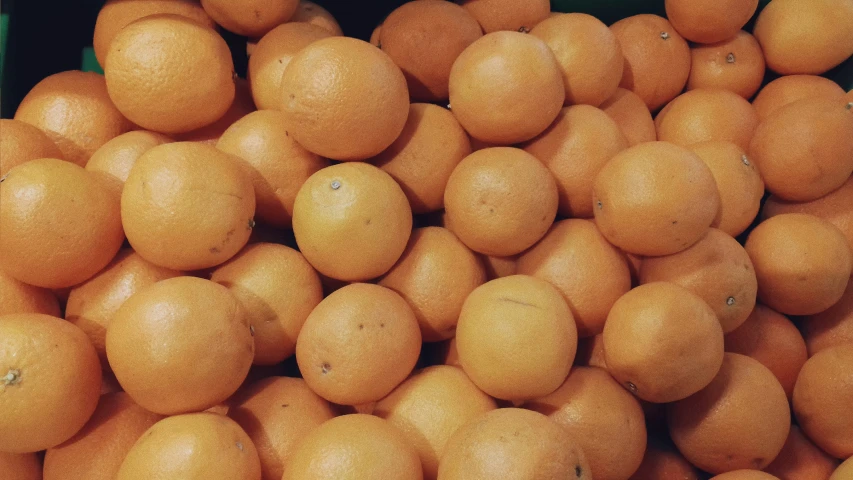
(744, 475)
(831, 327)
(735, 64)
(241, 106)
(21, 466)
(117, 156)
(708, 21)
(310, 12)
(663, 462)
(494, 15)
(632, 115)
(790, 88)
(19, 297)
(703, 114)
(844, 471)
(21, 142)
(251, 18)
(800, 458)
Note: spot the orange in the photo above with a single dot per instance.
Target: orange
(512, 443)
(844, 471)
(500, 201)
(96, 451)
(354, 447)
(18, 297)
(73, 109)
(422, 158)
(358, 344)
(120, 154)
(93, 304)
(504, 317)
(20, 466)
(738, 181)
(449, 355)
(117, 14)
(424, 39)
(21, 142)
(832, 327)
(351, 221)
(605, 420)
(278, 413)
(740, 420)
(278, 289)
(805, 149)
(251, 18)
(745, 475)
(801, 459)
(497, 267)
(709, 21)
(803, 263)
(178, 319)
(809, 36)
(588, 54)
(310, 12)
(575, 148)
(589, 272)
(196, 445)
(655, 199)
(657, 58)
(277, 164)
(343, 98)
(434, 275)
(494, 15)
(374, 36)
(60, 223)
(241, 106)
(645, 337)
(50, 384)
(430, 407)
(717, 269)
(773, 340)
(632, 115)
(788, 89)
(187, 206)
(822, 398)
(735, 64)
(662, 462)
(506, 87)
(707, 114)
(170, 74)
(273, 53)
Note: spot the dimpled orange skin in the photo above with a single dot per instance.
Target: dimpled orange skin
(822, 398)
(424, 38)
(97, 451)
(19, 297)
(176, 319)
(788, 89)
(516, 314)
(655, 199)
(709, 21)
(93, 304)
(506, 88)
(344, 99)
(745, 475)
(589, 272)
(241, 106)
(703, 114)
(250, 18)
(164, 64)
(351, 221)
(800, 458)
(42, 205)
(832, 327)
(310, 12)
(196, 445)
(74, 110)
(358, 344)
(20, 466)
(645, 337)
(50, 383)
(632, 115)
(21, 142)
(500, 201)
(495, 15)
(663, 462)
(187, 206)
(277, 164)
(804, 150)
(735, 64)
(278, 413)
(802, 263)
(435, 274)
(118, 156)
(657, 58)
(273, 53)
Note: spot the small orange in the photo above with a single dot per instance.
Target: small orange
(735, 64)
(707, 114)
(494, 15)
(118, 156)
(801, 459)
(241, 106)
(663, 462)
(745, 475)
(709, 21)
(632, 115)
(250, 18)
(374, 36)
(832, 327)
(343, 98)
(790, 88)
(21, 142)
(50, 383)
(177, 319)
(19, 297)
(497, 267)
(310, 12)
(506, 87)
(277, 164)
(20, 466)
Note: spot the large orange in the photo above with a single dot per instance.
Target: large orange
(20, 466)
(351, 221)
(170, 74)
(74, 110)
(832, 327)
(187, 206)
(21, 142)
(632, 115)
(343, 98)
(703, 114)
(60, 224)
(709, 21)
(19, 297)
(801, 459)
(178, 319)
(657, 58)
(790, 88)
(506, 88)
(250, 18)
(495, 15)
(50, 383)
(735, 64)
(120, 154)
(310, 12)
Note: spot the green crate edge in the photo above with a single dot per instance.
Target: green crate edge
(4, 32)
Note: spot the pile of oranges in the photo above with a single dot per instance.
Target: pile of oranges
(465, 250)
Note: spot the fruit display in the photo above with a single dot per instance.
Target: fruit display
(475, 240)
